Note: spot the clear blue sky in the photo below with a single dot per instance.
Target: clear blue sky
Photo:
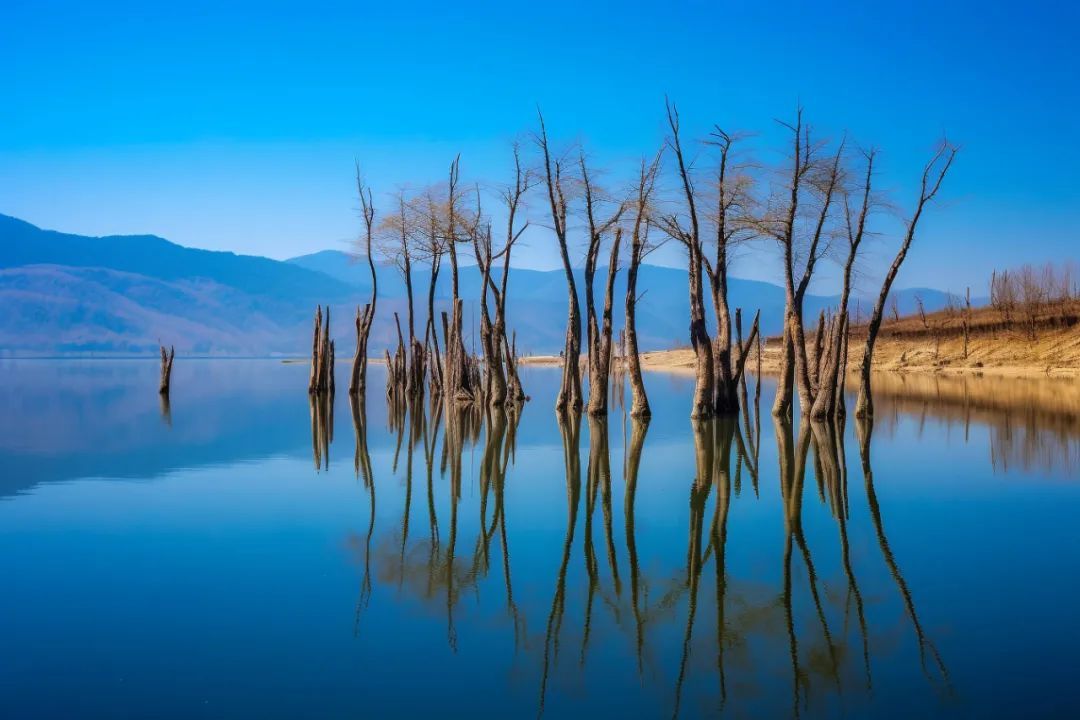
(236, 128)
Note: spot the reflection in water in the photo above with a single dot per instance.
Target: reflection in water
(864, 429)
(1033, 424)
(322, 428)
(715, 579)
(166, 409)
(433, 568)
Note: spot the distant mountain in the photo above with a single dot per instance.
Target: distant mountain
(71, 294)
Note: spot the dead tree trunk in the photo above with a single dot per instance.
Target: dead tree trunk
(732, 201)
(598, 338)
(690, 236)
(830, 398)
(459, 387)
(933, 174)
(358, 375)
(795, 365)
(639, 247)
(166, 370)
(322, 360)
(600, 363)
(569, 397)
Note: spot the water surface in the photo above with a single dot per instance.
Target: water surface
(244, 552)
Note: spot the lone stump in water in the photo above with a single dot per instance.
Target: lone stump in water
(166, 369)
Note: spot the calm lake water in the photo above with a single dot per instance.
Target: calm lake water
(245, 554)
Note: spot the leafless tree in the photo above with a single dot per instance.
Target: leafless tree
(364, 319)
(734, 202)
(639, 248)
(809, 174)
(513, 197)
(933, 175)
(569, 397)
(684, 226)
(830, 396)
(598, 337)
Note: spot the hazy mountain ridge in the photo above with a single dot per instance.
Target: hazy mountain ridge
(71, 294)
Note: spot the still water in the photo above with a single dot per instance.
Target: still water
(244, 553)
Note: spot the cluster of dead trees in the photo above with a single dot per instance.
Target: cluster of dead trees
(710, 198)
(707, 197)
(433, 226)
(1028, 296)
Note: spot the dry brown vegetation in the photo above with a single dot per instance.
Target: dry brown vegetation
(934, 343)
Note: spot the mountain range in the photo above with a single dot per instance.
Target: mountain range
(66, 294)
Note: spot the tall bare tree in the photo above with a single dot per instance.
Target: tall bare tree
(932, 176)
(685, 227)
(782, 222)
(513, 197)
(459, 227)
(397, 241)
(830, 395)
(569, 397)
(364, 319)
(733, 200)
(598, 335)
(639, 248)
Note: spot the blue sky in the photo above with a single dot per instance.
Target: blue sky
(236, 128)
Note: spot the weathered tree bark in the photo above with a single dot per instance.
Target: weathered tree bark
(569, 397)
(830, 398)
(459, 388)
(494, 379)
(322, 359)
(598, 337)
(704, 389)
(933, 175)
(797, 293)
(639, 240)
(166, 370)
(793, 337)
(600, 362)
(731, 201)
(358, 375)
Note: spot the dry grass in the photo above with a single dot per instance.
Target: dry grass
(997, 346)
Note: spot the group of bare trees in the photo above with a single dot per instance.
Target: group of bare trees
(427, 227)
(708, 198)
(1028, 294)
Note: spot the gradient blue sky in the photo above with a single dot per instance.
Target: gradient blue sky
(236, 128)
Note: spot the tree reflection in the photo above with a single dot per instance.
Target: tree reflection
(864, 428)
(805, 625)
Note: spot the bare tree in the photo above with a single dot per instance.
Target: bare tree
(599, 332)
(364, 319)
(830, 396)
(933, 174)
(801, 231)
(639, 248)
(685, 227)
(396, 241)
(569, 397)
(733, 201)
(459, 227)
(513, 197)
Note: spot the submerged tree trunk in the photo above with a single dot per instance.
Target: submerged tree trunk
(932, 177)
(600, 367)
(358, 375)
(830, 398)
(569, 397)
(704, 388)
(166, 370)
(639, 407)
